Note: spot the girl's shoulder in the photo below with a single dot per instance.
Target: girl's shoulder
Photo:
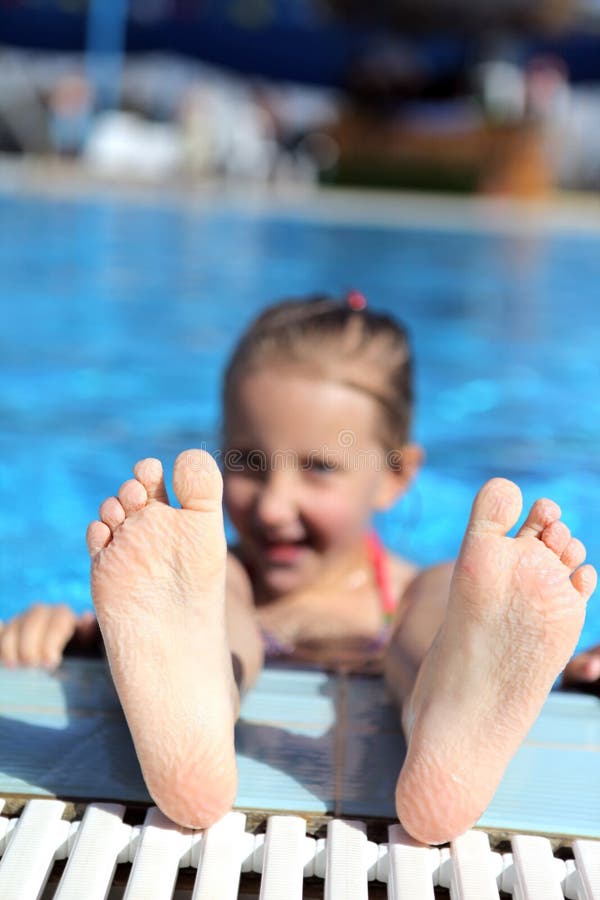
(413, 583)
(237, 577)
(402, 572)
(434, 579)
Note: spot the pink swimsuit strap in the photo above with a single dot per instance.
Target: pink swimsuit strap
(380, 564)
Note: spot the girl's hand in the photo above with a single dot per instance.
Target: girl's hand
(583, 672)
(39, 636)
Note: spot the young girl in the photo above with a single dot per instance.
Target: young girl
(317, 404)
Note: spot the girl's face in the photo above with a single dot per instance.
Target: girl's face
(303, 473)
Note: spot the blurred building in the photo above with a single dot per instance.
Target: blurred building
(466, 15)
(445, 94)
(312, 41)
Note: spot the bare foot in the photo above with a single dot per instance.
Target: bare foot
(158, 585)
(514, 615)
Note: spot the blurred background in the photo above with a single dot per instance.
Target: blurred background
(168, 167)
(451, 95)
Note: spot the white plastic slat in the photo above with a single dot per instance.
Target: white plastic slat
(320, 863)
(247, 850)
(346, 866)
(283, 862)
(93, 859)
(474, 868)
(191, 856)
(410, 874)
(570, 883)
(507, 878)
(222, 848)
(258, 853)
(6, 828)
(310, 852)
(29, 845)
(127, 854)
(67, 832)
(28, 859)
(443, 876)
(156, 865)
(535, 874)
(587, 858)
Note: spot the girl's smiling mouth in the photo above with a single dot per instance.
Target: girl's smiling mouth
(284, 553)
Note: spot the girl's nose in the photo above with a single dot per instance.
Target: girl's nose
(276, 501)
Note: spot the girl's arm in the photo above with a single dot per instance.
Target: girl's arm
(243, 632)
(40, 635)
(583, 672)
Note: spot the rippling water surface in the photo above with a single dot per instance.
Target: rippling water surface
(118, 318)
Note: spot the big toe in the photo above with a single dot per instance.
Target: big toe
(197, 481)
(496, 507)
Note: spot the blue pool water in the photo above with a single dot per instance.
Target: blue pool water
(118, 317)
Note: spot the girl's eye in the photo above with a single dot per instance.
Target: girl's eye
(320, 466)
(248, 462)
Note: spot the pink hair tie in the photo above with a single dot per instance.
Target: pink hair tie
(356, 300)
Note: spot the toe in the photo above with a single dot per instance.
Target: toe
(584, 581)
(97, 537)
(133, 496)
(574, 554)
(149, 472)
(197, 481)
(112, 513)
(496, 507)
(556, 537)
(542, 513)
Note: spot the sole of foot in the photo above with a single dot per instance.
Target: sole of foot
(158, 586)
(515, 612)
